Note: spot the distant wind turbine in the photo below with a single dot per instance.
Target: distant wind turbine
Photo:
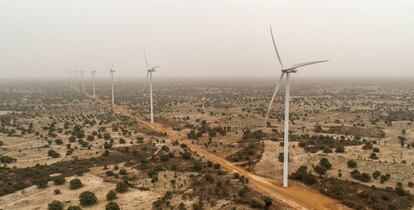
(149, 72)
(83, 81)
(70, 79)
(76, 79)
(93, 83)
(111, 70)
(285, 71)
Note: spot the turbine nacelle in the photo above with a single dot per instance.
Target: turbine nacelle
(289, 70)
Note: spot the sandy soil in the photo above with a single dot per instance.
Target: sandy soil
(296, 195)
(33, 198)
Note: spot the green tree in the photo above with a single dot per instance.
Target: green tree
(112, 206)
(55, 205)
(121, 187)
(111, 195)
(74, 208)
(352, 163)
(268, 202)
(75, 184)
(87, 198)
(59, 180)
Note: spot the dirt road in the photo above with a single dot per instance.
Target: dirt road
(296, 196)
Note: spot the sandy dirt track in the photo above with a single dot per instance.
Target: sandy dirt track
(296, 196)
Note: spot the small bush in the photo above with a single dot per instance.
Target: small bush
(59, 180)
(74, 208)
(111, 195)
(352, 164)
(55, 205)
(112, 206)
(75, 184)
(42, 183)
(121, 187)
(87, 198)
(122, 172)
(52, 153)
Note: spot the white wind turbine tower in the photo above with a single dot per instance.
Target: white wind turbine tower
(83, 81)
(286, 70)
(70, 79)
(149, 72)
(76, 79)
(93, 82)
(111, 70)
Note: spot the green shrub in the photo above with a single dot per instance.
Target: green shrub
(42, 183)
(122, 172)
(55, 205)
(352, 164)
(52, 153)
(111, 195)
(74, 208)
(255, 204)
(325, 163)
(75, 184)
(112, 206)
(121, 187)
(87, 198)
(59, 180)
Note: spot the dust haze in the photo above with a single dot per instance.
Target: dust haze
(44, 39)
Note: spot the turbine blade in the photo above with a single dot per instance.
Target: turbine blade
(145, 57)
(294, 66)
(274, 45)
(274, 95)
(147, 74)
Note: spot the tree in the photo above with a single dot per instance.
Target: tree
(87, 198)
(121, 187)
(309, 179)
(41, 183)
(55, 205)
(352, 163)
(340, 149)
(217, 166)
(122, 172)
(400, 190)
(318, 129)
(321, 170)
(74, 208)
(376, 174)
(75, 184)
(59, 180)
(268, 201)
(112, 206)
(325, 163)
(111, 195)
(52, 153)
(365, 177)
(373, 156)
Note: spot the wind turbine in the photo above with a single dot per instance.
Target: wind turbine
(76, 79)
(83, 81)
(149, 72)
(70, 79)
(286, 70)
(111, 71)
(93, 82)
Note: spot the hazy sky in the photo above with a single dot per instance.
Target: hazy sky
(192, 38)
